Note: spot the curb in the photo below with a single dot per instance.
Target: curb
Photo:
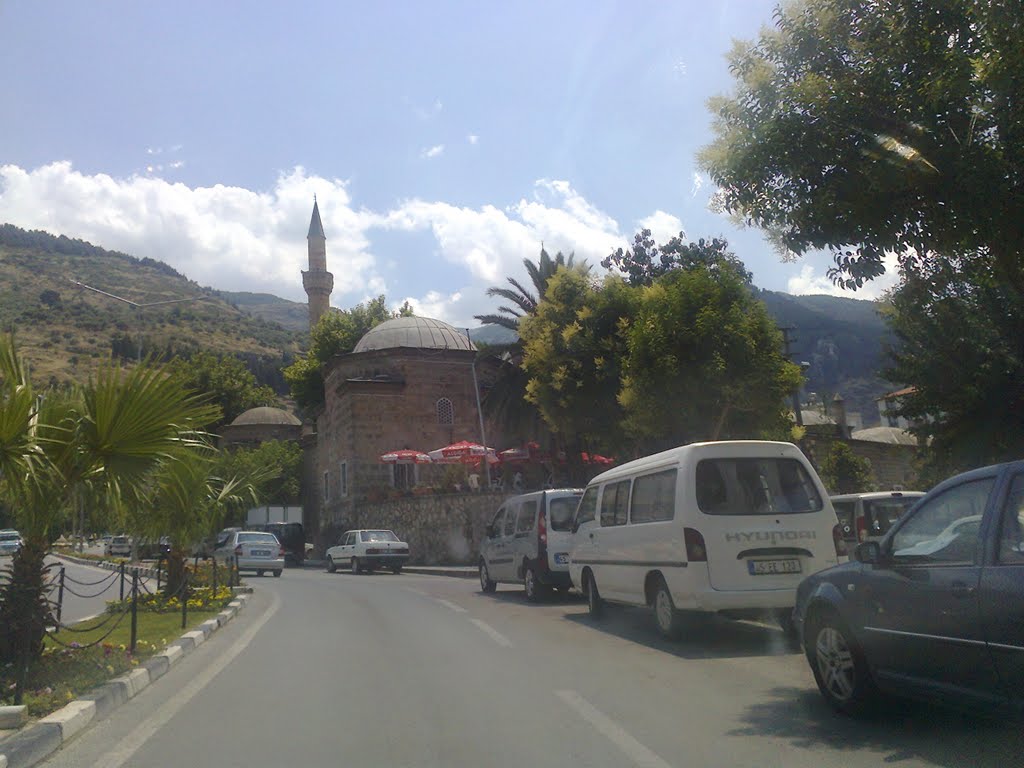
(38, 741)
(456, 572)
(106, 565)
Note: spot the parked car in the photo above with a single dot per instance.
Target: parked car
(365, 550)
(257, 551)
(724, 527)
(292, 537)
(528, 542)
(869, 516)
(933, 611)
(118, 546)
(10, 541)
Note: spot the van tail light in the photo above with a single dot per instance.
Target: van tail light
(280, 552)
(542, 528)
(838, 541)
(238, 551)
(862, 529)
(696, 552)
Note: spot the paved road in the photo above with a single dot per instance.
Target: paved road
(413, 670)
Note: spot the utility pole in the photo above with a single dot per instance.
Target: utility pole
(788, 353)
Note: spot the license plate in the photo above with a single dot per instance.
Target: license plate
(260, 553)
(773, 567)
(561, 558)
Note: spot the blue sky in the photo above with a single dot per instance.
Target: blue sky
(444, 140)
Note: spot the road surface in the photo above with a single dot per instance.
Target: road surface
(384, 670)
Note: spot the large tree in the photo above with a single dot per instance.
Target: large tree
(226, 380)
(704, 361)
(646, 260)
(880, 126)
(337, 333)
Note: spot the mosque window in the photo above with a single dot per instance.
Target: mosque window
(445, 412)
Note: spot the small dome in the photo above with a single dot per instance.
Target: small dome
(416, 332)
(265, 415)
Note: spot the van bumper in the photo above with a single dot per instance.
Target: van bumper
(736, 602)
(555, 579)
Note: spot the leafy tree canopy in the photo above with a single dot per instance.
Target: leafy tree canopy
(646, 260)
(277, 462)
(337, 333)
(842, 471)
(227, 381)
(875, 126)
(524, 300)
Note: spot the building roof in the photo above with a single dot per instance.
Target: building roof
(414, 332)
(891, 435)
(897, 393)
(265, 415)
(316, 228)
(812, 418)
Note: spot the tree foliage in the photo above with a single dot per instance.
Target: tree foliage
(523, 300)
(960, 344)
(647, 261)
(877, 126)
(277, 462)
(704, 361)
(842, 471)
(226, 381)
(337, 333)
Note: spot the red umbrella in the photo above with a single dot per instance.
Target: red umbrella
(593, 458)
(463, 452)
(405, 456)
(528, 452)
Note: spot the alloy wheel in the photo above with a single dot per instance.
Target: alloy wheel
(835, 663)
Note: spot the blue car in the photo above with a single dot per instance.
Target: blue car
(935, 610)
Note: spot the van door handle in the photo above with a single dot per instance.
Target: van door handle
(591, 535)
(961, 589)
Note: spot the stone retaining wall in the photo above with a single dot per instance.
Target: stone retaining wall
(443, 529)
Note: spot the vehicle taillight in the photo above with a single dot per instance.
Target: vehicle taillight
(696, 552)
(238, 551)
(862, 529)
(838, 541)
(542, 529)
(280, 552)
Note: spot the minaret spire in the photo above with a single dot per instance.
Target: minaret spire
(318, 282)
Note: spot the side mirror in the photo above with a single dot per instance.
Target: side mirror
(868, 552)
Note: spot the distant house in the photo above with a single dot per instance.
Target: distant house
(887, 406)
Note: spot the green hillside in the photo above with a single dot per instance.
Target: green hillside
(64, 329)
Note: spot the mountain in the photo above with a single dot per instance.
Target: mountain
(293, 315)
(71, 304)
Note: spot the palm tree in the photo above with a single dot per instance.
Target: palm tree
(61, 448)
(506, 402)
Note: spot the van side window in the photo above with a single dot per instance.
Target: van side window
(1011, 539)
(497, 522)
(614, 504)
(587, 510)
(654, 497)
(510, 520)
(527, 516)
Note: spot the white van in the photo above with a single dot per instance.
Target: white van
(724, 527)
(528, 542)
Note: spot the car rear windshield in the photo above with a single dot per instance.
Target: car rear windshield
(377, 536)
(561, 510)
(762, 486)
(263, 538)
(119, 540)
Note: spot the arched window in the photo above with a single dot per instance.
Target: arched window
(445, 412)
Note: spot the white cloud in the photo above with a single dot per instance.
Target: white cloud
(810, 281)
(472, 138)
(433, 151)
(663, 226)
(430, 112)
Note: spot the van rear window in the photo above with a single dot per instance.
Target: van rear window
(560, 512)
(765, 486)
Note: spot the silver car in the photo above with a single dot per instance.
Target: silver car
(10, 541)
(253, 551)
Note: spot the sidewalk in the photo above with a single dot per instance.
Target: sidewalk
(455, 571)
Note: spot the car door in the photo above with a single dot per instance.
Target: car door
(500, 558)
(490, 546)
(504, 563)
(613, 544)
(1002, 591)
(923, 625)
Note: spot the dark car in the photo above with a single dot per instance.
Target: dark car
(933, 611)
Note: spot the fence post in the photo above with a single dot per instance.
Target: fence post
(60, 596)
(184, 601)
(214, 562)
(135, 608)
(122, 582)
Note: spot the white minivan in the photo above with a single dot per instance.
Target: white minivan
(724, 527)
(528, 542)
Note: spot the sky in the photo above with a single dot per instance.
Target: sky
(445, 141)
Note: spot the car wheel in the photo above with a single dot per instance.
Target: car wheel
(259, 573)
(594, 602)
(396, 570)
(531, 584)
(486, 585)
(331, 566)
(277, 573)
(838, 663)
(356, 568)
(666, 617)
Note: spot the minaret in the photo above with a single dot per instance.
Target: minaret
(318, 282)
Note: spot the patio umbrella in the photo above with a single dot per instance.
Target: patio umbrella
(405, 456)
(528, 452)
(463, 452)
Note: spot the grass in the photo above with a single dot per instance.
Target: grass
(63, 673)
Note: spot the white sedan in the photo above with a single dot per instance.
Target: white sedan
(366, 550)
(251, 551)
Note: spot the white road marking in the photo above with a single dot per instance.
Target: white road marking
(630, 747)
(145, 730)
(453, 606)
(494, 634)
